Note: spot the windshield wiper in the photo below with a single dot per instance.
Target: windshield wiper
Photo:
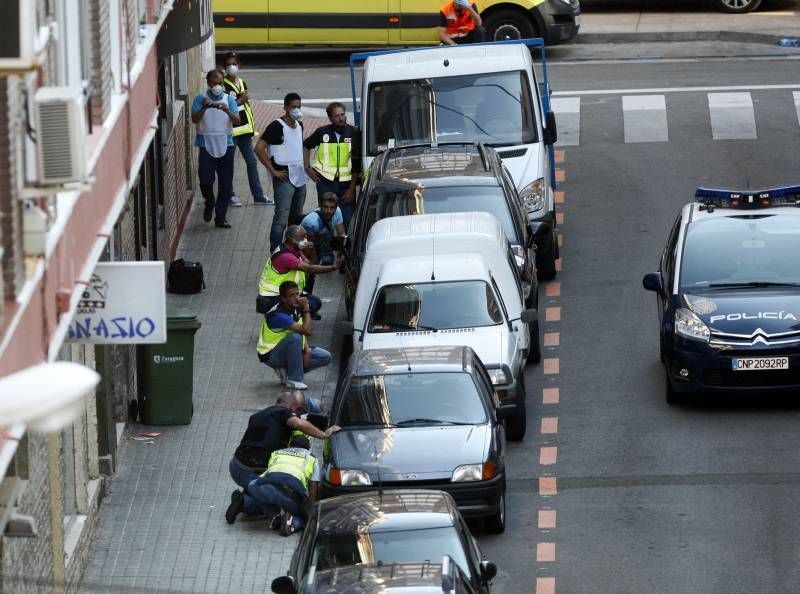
(754, 284)
(430, 422)
(410, 327)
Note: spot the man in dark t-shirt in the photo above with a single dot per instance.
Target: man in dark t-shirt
(267, 430)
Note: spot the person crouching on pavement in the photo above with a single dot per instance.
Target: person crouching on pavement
(288, 486)
(322, 225)
(268, 430)
(289, 262)
(283, 339)
(215, 115)
(459, 22)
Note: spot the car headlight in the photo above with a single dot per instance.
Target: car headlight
(348, 478)
(688, 325)
(532, 195)
(473, 472)
(498, 377)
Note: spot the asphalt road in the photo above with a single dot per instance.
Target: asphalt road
(649, 498)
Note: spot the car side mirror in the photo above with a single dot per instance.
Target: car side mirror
(652, 282)
(344, 327)
(488, 570)
(284, 584)
(506, 411)
(529, 316)
(539, 229)
(550, 132)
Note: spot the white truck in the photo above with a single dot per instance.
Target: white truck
(485, 93)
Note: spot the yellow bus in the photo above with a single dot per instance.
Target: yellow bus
(255, 24)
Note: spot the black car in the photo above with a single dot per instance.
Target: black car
(728, 293)
(378, 578)
(439, 179)
(420, 418)
(382, 528)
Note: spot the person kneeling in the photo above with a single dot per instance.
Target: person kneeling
(283, 339)
(288, 486)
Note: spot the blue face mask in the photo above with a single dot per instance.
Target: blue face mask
(296, 113)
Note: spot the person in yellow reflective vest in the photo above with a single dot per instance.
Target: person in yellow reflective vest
(283, 338)
(243, 133)
(336, 164)
(288, 486)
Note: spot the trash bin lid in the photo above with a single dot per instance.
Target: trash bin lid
(181, 319)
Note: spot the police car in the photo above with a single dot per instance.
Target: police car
(728, 293)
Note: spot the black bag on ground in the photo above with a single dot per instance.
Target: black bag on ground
(185, 277)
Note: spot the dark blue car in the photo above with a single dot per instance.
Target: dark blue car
(728, 293)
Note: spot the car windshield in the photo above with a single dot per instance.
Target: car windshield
(389, 200)
(435, 306)
(493, 108)
(408, 546)
(749, 250)
(411, 399)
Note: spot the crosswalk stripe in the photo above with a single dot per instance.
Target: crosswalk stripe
(568, 120)
(645, 118)
(732, 116)
(797, 104)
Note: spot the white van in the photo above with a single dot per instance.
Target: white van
(485, 93)
(448, 279)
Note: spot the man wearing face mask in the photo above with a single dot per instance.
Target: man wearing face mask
(280, 149)
(244, 132)
(336, 164)
(289, 263)
(215, 115)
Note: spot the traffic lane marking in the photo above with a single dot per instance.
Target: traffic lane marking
(545, 585)
(551, 366)
(552, 289)
(561, 175)
(551, 339)
(559, 155)
(545, 552)
(550, 396)
(559, 197)
(548, 455)
(660, 90)
(559, 218)
(552, 314)
(547, 519)
(549, 425)
(548, 485)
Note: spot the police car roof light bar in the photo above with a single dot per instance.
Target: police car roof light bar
(726, 198)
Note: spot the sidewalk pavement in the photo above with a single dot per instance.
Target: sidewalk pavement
(162, 526)
(604, 22)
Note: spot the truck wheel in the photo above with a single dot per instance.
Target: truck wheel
(507, 24)
(546, 259)
(496, 524)
(516, 425)
(736, 6)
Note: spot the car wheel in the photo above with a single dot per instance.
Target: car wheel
(535, 353)
(546, 259)
(496, 524)
(517, 425)
(737, 6)
(503, 25)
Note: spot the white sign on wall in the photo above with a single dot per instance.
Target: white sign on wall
(124, 303)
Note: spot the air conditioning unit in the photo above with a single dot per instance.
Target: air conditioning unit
(60, 135)
(17, 35)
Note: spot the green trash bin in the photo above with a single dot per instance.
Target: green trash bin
(166, 372)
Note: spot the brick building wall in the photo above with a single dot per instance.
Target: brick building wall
(10, 210)
(101, 60)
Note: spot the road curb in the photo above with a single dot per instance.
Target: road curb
(682, 36)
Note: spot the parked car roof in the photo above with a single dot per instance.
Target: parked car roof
(442, 165)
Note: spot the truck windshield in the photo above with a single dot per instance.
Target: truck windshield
(435, 306)
(494, 108)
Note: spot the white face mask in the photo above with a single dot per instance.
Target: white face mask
(217, 90)
(232, 69)
(303, 244)
(296, 113)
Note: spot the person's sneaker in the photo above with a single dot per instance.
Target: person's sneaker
(208, 212)
(267, 201)
(287, 527)
(275, 522)
(222, 224)
(235, 508)
(281, 373)
(296, 385)
(235, 200)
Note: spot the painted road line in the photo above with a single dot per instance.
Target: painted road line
(732, 116)
(545, 585)
(645, 118)
(548, 455)
(552, 314)
(547, 519)
(559, 264)
(568, 120)
(796, 95)
(552, 289)
(550, 366)
(548, 486)
(551, 339)
(560, 240)
(546, 552)
(561, 176)
(559, 155)
(559, 197)
(662, 90)
(550, 396)
(549, 425)
(559, 218)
